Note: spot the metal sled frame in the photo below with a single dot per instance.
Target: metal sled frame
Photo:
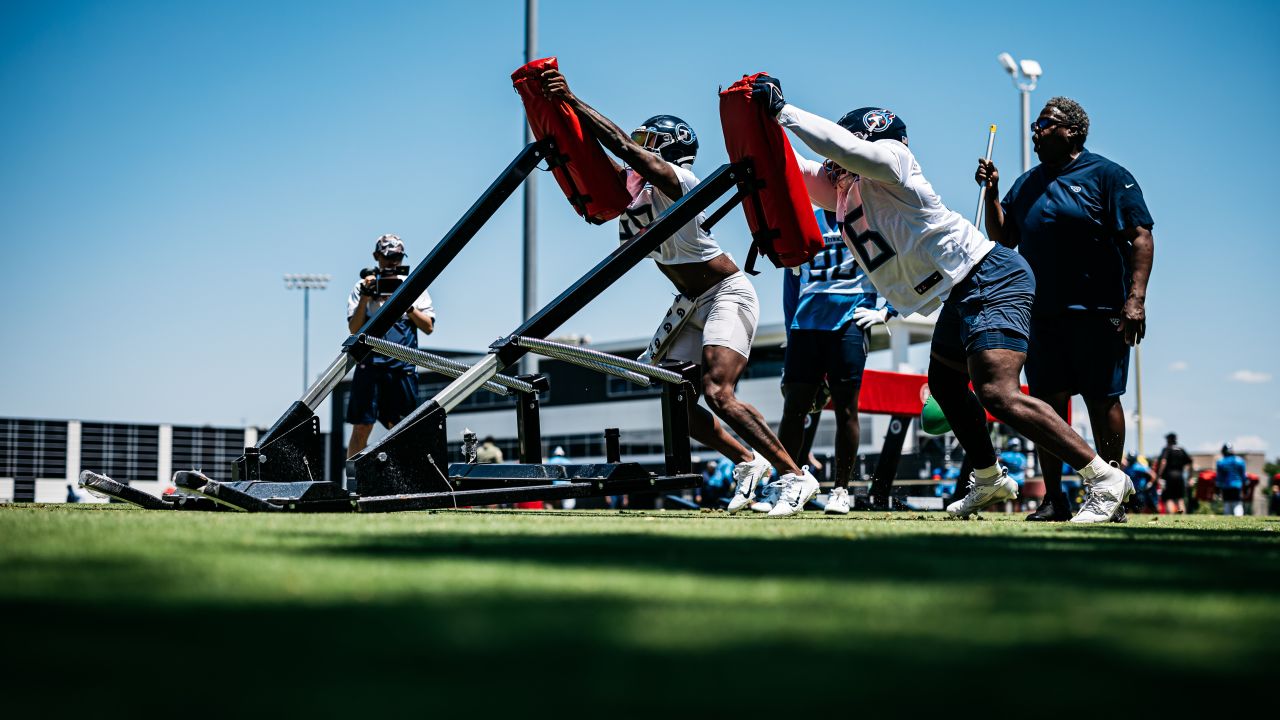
(408, 468)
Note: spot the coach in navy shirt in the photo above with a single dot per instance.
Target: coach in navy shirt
(1080, 221)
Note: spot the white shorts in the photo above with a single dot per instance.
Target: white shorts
(725, 315)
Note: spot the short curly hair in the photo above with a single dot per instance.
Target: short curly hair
(1074, 114)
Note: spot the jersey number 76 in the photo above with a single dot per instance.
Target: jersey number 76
(873, 250)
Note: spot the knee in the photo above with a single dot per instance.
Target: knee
(718, 395)
(996, 398)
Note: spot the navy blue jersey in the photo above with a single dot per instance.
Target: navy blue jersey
(1067, 226)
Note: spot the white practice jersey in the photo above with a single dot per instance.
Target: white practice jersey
(690, 244)
(912, 247)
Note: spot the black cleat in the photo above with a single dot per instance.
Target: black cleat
(1053, 508)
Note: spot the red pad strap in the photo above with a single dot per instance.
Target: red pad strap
(586, 176)
(780, 215)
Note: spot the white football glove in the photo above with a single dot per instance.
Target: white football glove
(865, 317)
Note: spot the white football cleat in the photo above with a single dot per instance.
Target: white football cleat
(797, 491)
(768, 493)
(1107, 493)
(981, 496)
(745, 477)
(838, 502)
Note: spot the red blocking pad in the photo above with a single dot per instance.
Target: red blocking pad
(586, 176)
(780, 216)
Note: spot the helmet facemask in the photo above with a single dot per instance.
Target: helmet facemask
(668, 137)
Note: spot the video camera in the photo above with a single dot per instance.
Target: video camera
(387, 280)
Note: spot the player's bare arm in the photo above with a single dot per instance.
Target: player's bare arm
(651, 167)
(1133, 320)
(817, 181)
(994, 216)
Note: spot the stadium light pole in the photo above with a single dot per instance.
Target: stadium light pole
(1031, 72)
(306, 283)
(529, 363)
(1137, 352)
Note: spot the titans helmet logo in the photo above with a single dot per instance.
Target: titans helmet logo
(684, 134)
(878, 120)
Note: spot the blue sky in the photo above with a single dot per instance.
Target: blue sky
(165, 164)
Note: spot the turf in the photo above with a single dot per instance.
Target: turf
(681, 613)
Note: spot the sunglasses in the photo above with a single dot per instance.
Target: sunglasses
(1042, 124)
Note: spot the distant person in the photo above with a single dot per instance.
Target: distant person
(716, 485)
(1172, 467)
(1015, 460)
(1144, 483)
(72, 495)
(384, 389)
(558, 457)
(1081, 223)
(489, 452)
(1231, 481)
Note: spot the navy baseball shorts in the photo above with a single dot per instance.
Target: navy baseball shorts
(1078, 354)
(988, 310)
(838, 355)
(381, 394)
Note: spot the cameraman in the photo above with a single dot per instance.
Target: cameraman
(384, 389)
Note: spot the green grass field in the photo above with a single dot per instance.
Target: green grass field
(115, 610)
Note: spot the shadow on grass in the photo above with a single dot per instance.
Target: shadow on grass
(1175, 560)
(514, 649)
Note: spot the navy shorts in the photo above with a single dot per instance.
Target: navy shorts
(838, 355)
(1078, 354)
(381, 394)
(988, 310)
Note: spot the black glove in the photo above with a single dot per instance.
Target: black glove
(767, 91)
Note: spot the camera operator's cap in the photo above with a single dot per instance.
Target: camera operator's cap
(388, 245)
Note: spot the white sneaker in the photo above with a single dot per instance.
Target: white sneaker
(981, 496)
(769, 493)
(1105, 496)
(838, 503)
(745, 477)
(1120, 517)
(797, 490)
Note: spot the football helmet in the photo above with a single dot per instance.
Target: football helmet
(668, 136)
(873, 123)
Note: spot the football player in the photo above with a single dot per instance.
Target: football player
(922, 256)
(718, 329)
(829, 308)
